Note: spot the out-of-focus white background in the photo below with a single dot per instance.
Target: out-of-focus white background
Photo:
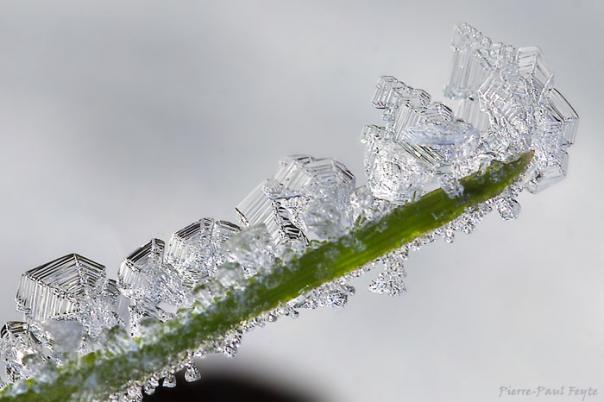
(126, 120)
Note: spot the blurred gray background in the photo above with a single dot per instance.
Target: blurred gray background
(126, 120)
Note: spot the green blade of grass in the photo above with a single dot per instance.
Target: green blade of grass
(98, 375)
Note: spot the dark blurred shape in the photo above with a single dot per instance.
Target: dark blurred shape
(229, 387)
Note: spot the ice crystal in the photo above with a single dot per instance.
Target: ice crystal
(422, 148)
(60, 288)
(197, 250)
(192, 373)
(307, 199)
(154, 287)
(69, 292)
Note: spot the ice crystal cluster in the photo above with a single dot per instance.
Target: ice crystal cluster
(502, 102)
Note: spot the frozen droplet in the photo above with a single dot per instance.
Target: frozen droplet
(135, 393)
(449, 234)
(389, 282)
(336, 298)
(150, 386)
(291, 312)
(230, 344)
(192, 373)
(508, 208)
(169, 381)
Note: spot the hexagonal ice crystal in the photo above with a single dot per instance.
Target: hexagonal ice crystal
(70, 287)
(304, 194)
(425, 147)
(399, 171)
(411, 112)
(506, 97)
(515, 90)
(472, 61)
(261, 206)
(154, 287)
(532, 67)
(507, 103)
(327, 212)
(385, 95)
(403, 106)
(198, 249)
(559, 117)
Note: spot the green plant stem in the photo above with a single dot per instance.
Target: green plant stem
(97, 375)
